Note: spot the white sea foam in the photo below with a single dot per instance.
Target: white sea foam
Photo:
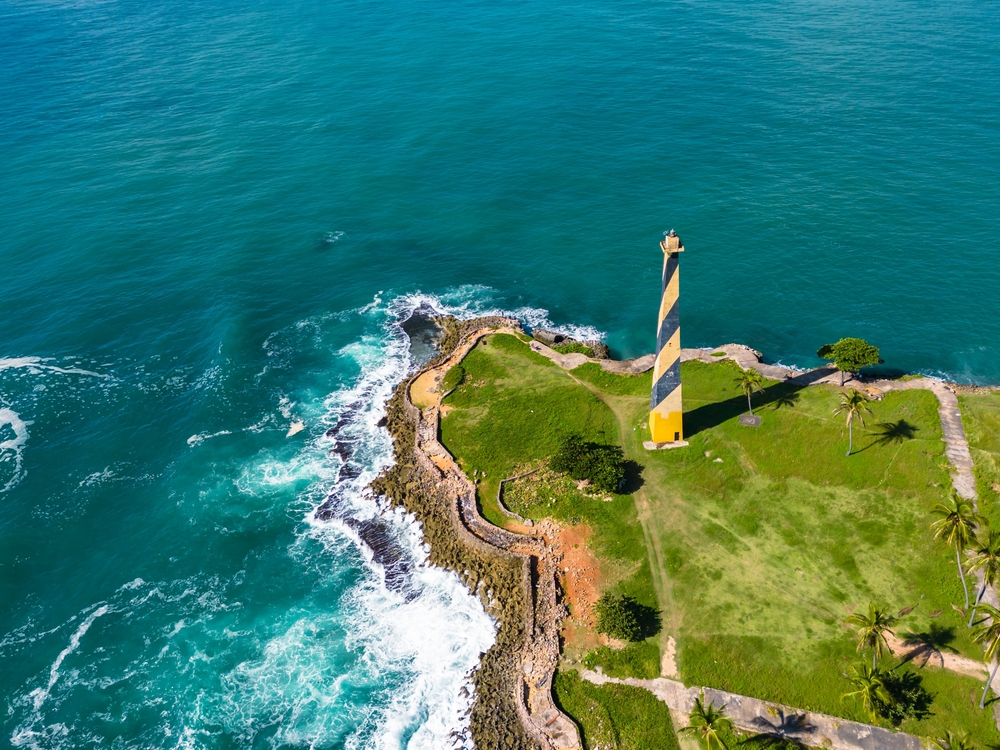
(202, 437)
(36, 365)
(439, 633)
(473, 300)
(12, 450)
(98, 477)
(41, 694)
(376, 667)
(31, 734)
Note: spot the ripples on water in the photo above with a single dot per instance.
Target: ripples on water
(198, 203)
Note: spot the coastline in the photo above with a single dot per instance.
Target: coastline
(516, 575)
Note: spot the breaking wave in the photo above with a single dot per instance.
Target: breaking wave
(361, 644)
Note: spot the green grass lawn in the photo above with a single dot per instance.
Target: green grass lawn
(754, 543)
(615, 717)
(513, 407)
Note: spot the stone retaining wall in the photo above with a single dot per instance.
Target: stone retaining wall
(539, 652)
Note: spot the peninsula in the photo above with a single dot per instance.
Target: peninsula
(743, 558)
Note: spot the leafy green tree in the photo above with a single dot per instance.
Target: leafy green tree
(954, 741)
(854, 405)
(987, 634)
(602, 465)
(750, 382)
(956, 525)
(570, 456)
(617, 617)
(911, 699)
(706, 722)
(850, 355)
(870, 689)
(872, 628)
(986, 559)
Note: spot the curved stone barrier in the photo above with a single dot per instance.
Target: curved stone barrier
(539, 652)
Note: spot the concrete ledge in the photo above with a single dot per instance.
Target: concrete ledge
(651, 446)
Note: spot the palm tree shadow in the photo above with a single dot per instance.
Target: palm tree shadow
(779, 394)
(773, 735)
(892, 433)
(788, 398)
(929, 644)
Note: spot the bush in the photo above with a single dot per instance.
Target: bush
(911, 699)
(602, 465)
(617, 617)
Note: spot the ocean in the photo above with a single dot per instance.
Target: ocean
(215, 216)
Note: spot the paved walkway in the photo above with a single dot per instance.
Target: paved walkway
(773, 719)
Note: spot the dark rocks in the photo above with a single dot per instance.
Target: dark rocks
(387, 553)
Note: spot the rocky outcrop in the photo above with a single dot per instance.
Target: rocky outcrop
(635, 366)
(598, 349)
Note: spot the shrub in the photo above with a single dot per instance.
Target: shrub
(617, 617)
(910, 698)
(602, 465)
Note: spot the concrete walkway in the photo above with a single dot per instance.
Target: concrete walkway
(771, 719)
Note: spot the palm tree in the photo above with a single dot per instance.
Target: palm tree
(872, 629)
(956, 526)
(706, 721)
(750, 382)
(855, 406)
(954, 741)
(987, 560)
(988, 634)
(871, 690)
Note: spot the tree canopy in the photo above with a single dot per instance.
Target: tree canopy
(602, 465)
(617, 617)
(850, 354)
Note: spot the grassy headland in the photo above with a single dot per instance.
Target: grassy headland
(754, 544)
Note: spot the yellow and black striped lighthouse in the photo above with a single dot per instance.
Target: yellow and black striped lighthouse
(666, 424)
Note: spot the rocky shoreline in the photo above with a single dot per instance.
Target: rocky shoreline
(514, 575)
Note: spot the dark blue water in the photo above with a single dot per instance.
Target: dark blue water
(212, 216)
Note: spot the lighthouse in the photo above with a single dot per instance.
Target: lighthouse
(666, 424)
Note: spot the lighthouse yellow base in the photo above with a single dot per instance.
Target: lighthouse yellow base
(666, 423)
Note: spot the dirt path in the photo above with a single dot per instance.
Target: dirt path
(661, 581)
(923, 654)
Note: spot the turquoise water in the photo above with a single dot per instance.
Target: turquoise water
(214, 215)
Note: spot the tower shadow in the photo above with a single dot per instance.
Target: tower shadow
(782, 394)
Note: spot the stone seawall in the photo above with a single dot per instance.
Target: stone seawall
(520, 667)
